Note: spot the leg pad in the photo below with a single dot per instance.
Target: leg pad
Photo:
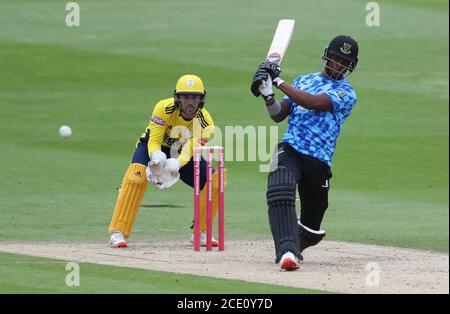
(280, 195)
(129, 199)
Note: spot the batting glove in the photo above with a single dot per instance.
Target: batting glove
(266, 90)
(272, 68)
(259, 77)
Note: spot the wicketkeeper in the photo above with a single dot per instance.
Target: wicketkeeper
(317, 105)
(163, 155)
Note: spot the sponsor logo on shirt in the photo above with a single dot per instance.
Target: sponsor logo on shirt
(157, 120)
(169, 140)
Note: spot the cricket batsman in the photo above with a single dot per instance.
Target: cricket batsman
(163, 155)
(317, 105)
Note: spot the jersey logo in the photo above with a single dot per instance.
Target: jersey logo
(168, 140)
(326, 184)
(345, 49)
(157, 120)
(341, 93)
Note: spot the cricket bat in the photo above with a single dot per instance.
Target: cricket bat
(281, 40)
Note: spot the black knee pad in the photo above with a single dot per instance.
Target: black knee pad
(281, 187)
(309, 237)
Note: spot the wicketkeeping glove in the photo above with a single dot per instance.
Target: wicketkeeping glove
(172, 165)
(157, 161)
(170, 173)
(155, 167)
(156, 179)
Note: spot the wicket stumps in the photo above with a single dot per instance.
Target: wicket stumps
(209, 174)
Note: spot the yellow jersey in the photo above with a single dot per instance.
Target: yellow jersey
(167, 128)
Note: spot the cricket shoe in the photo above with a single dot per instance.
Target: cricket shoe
(214, 242)
(289, 262)
(117, 240)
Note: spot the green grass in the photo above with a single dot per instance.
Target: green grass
(390, 183)
(25, 274)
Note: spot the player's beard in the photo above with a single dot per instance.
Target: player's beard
(189, 112)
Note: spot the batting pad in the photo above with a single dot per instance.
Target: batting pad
(129, 199)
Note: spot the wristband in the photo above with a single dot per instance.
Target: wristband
(278, 81)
